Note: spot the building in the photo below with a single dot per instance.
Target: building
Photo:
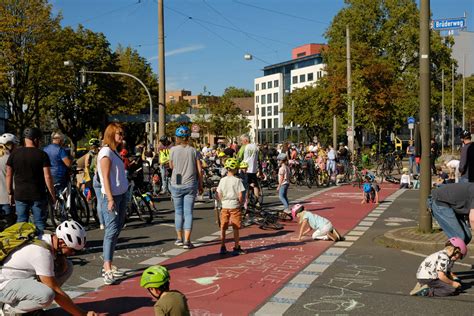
(305, 68)
(195, 101)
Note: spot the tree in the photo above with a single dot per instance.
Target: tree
(28, 38)
(226, 119)
(177, 107)
(233, 92)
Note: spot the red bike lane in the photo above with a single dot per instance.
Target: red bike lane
(226, 285)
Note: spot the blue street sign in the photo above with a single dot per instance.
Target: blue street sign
(411, 120)
(448, 24)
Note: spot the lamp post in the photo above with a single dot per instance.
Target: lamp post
(83, 79)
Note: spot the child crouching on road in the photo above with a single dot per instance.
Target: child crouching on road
(230, 193)
(323, 229)
(434, 273)
(156, 279)
(370, 191)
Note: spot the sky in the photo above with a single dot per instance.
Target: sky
(206, 40)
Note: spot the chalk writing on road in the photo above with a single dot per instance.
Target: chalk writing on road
(346, 285)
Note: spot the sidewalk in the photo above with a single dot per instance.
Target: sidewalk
(226, 285)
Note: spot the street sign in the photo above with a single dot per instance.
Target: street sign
(448, 24)
(194, 135)
(411, 126)
(411, 120)
(195, 128)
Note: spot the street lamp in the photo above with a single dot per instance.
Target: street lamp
(83, 72)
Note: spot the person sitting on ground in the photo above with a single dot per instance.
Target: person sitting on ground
(370, 191)
(156, 279)
(434, 273)
(230, 193)
(442, 175)
(323, 228)
(32, 275)
(453, 170)
(405, 181)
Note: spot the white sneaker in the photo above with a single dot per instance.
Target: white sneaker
(115, 271)
(109, 278)
(102, 227)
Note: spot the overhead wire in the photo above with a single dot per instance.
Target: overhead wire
(110, 12)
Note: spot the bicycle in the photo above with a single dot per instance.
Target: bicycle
(138, 201)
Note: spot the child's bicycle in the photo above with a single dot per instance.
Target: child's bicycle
(265, 219)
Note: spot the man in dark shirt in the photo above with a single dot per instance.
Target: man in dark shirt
(466, 163)
(452, 205)
(29, 168)
(434, 148)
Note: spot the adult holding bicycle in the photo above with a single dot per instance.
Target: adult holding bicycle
(114, 186)
(186, 181)
(29, 168)
(60, 160)
(249, 153)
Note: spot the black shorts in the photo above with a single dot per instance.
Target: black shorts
(252, 178)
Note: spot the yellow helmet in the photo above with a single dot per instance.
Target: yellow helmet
(221, 154)
(243, 165)
(231, 163)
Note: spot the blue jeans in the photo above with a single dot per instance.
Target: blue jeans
(97, 186)
(113, 222)
(164, 179)
(283, 195)
(411, 163)
(453, 225)
(183, 200)
(331, 166)
(38, 208)
(5, 209)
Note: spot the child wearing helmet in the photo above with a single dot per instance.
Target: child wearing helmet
(283, 182)
(405, 180)
(156, 279)
(370, 190)
(434, 274)
(321, 226)
(230, 193)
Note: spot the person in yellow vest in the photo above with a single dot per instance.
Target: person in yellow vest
(164, 159)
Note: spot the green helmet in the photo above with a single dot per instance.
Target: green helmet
(94, 142)
(231, 163)
(243, 165)
(154, 277)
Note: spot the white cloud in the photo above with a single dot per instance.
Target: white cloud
(181, 50)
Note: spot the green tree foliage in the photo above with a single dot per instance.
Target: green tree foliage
(226, 119)
(28, 38)
(177, 107)
(233, 92)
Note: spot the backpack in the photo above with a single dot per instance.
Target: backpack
(367, 187)
(16, 236)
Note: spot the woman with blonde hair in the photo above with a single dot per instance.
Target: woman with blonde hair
(111, 172)
(8, 142)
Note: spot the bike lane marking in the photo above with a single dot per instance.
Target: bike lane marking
(217, 284)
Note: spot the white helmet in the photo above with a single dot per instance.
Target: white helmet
(73, 234)
(8, 138)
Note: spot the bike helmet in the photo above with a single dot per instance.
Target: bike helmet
(298, 208)
(8, 138)
(231, 164)
(182, 131)
(163, 139)
(94, 142)
(73, 234)
(465, 134)
(282, 156)
(243, 165)
(32, 133)
(221, 154)
(458, 243)
(154, 277)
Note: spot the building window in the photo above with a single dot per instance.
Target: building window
(269, 85)
(310, 76)
(295, 79)
(264, 99)
(275, 97)
(257, 111)
(319, 75)
(264, 85)
(269, 123)
(275, 83)
(269, 111)
(263, 111)
(275, 110)
(269, 98)
(301, 54)
(275, 123)
(193, 102)
(302, 78)
(257, 86)
(264, 125)
(257, 99)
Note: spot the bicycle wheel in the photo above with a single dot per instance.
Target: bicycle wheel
(144, 211)
(93, 209)
(82, 209)
(293, 175)
(57, 213)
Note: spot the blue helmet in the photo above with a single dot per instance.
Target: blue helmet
(182, 131)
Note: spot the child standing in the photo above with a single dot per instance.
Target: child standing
(405, 181)
(230, 193)
(156, 279)
(323, 229)
(283, 182)
(434, 273)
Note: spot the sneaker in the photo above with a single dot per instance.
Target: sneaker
(178, 242)
(238, 251)
(188, 245)
(287, 211)
(115, 271)
(102, 227)
(223, 250)
(420, 290)
(109, 278)
(336, 233)
(331, 236)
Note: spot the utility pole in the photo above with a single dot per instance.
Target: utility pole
(350, 118)
(162, 81)
(443, 114)
(424, 216)
(334, 132)
(452, 109)
(463, 90)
